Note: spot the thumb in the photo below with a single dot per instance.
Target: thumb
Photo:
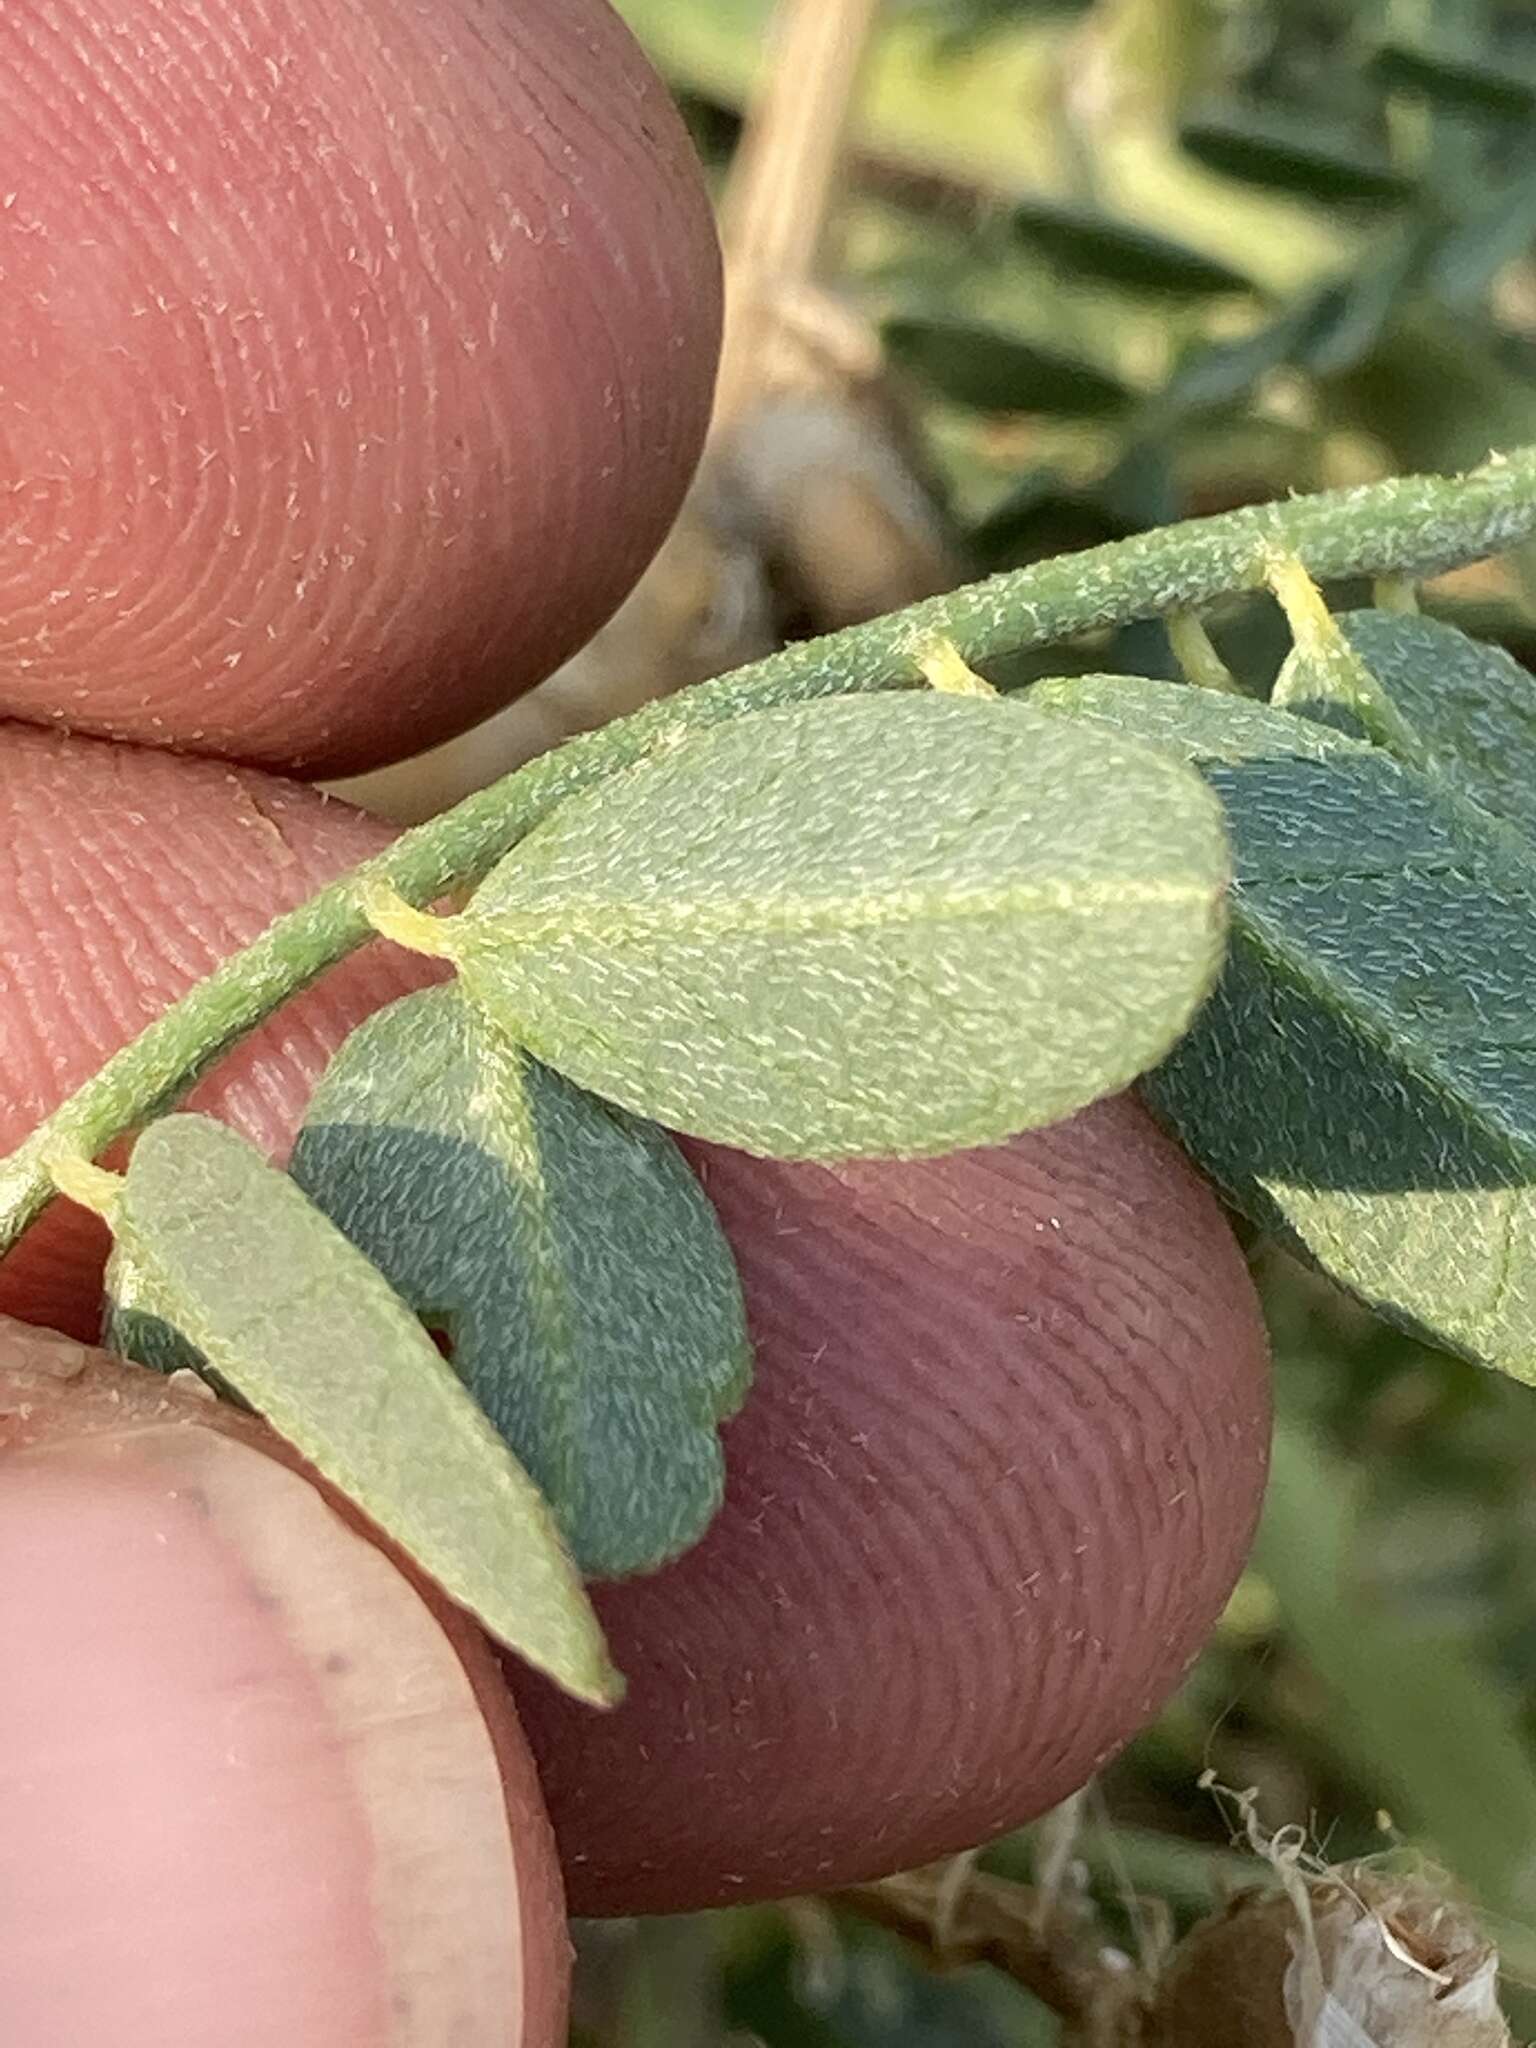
(256, 1788)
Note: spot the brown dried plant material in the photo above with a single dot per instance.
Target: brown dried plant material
(1363, 1955)
(1358, 1957)
(1047, 1939)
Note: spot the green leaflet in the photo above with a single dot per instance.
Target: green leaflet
(1456, 80)
(567, 1249)
(1287, 154)
(1117, 252)
(896, 924)
(991, 369)
(1365, 1074)
(1197, 725)
(256, 1282)
(1471, 708)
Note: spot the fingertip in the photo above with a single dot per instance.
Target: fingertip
(357, 356)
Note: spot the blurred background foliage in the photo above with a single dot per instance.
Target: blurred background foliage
(1132, 261)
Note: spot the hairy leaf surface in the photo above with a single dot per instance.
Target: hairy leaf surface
(1365, 1075)
(896, 924)
(565, 1248)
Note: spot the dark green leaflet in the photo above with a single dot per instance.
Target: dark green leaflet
(255, 1281)
(1457, 80)
(1471, 707)
(993, 370)
(1365, 1075)
(1289, 155)
(1097, 245)
(875, 926)
(566, 1248)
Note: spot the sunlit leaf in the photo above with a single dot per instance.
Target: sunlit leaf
(1364, 1077)
(895, 924)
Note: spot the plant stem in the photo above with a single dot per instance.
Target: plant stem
(1413, 527)
(784, 181)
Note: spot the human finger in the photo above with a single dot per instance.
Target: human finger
(257, 1787)
(354, 357)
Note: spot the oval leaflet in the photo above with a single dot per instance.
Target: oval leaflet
(1364, 1076)
(888, 925)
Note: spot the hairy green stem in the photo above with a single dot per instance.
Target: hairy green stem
(1411, 527)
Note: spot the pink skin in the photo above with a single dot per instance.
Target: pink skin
(999, 1469)
(355, 359)
(125, 875)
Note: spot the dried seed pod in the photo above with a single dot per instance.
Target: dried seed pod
(1357, 1957)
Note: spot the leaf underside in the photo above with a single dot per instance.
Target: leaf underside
(564, 1247)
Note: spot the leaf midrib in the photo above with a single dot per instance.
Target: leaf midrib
(735, 916)
(1417, 1057)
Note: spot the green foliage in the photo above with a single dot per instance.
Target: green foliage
(1313, 263)
(872, 1996)
(836, 930)
(994, 371)
(1095, 245)
(1430, 1739)
(1363, 1076)
(1455, 80)
(254, 1280)
(1379, 185)
(1317, 270)
(1293, 155)
(1471, 708)
(563, 1247)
